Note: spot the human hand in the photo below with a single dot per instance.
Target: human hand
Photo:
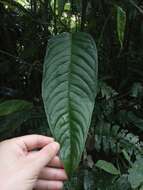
(21, 168)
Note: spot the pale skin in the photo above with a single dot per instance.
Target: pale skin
(21, 168)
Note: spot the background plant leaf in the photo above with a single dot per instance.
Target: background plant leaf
(136, 174)
(61, 4)
(107, 166)
(121, 24)
(11, 106)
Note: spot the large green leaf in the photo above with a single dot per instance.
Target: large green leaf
(69, 91)
(121, 24)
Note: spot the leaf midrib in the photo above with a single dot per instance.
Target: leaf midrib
(69, 97)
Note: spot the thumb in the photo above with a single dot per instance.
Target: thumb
(46, 154)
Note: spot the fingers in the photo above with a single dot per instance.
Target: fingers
(31, 142)
(48, 185)
(48, 173)
(55, 162)
(45, 155)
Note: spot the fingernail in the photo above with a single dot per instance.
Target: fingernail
(55, 145)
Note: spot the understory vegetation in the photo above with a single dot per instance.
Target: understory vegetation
(113, 154)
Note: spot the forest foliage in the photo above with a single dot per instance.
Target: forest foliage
(113, 156)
